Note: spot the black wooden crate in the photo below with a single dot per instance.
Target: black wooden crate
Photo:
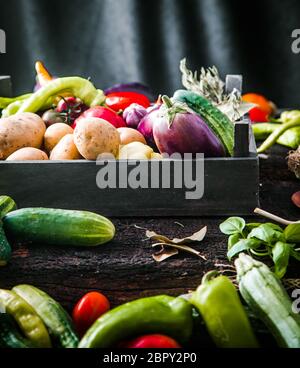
(231, 186)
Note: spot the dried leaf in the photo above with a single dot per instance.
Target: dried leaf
(164, 254)
(184, 248)
(196, 237)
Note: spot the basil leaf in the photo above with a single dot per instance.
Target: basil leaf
(266, 233)
(242, 245)
(295, 254)
(292, 233)
(252, 225)
(233, 225)
(281, 255)
(274, 226)
(233, 239)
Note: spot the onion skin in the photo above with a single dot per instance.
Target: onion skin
(188, 133)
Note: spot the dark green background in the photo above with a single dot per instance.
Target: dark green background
(127, 40)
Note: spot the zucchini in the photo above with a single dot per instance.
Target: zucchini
(5, 248)
(52, 313)
(7, 204)
(59, 227)
(265, 295)
(220, 124)
(10, 336)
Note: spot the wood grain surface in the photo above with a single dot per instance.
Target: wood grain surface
(124, 269)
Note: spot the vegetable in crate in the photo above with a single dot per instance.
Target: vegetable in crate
(54, 134)
(52, 314)
(104, 113)
(119, 101)
(158, 314)
(222, 128)
(133, 114)
(28, 154)
(265, 295)
(145, 126)
(39, 101)
(128, 135)
(22, 130)
(94, 137)
(130, 87)
(218, 303)
(74, 228)
(26, 317)
(65, 149)
(137, 151)
(177, 129)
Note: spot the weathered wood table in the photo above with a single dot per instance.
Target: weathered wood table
(124, 269)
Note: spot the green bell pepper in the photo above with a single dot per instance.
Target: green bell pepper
(158, 314)
(219, 305)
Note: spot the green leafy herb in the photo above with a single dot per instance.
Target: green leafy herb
(292, 233)
(281, 255)
(263, 240)
(241, 246)
(233, 225)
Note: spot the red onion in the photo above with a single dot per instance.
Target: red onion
(133, 114)
(177, 129)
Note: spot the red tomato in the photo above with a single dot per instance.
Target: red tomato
(102, 113)
(120, 100)
(89, 308)
(262, 111)
(258, 116)
(152, 342)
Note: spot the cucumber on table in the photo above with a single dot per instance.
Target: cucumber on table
(59, 227)
(5, 248)
(7, 204)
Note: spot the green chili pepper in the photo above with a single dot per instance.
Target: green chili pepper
(158, 314)
(79, 87)
(218, 302)
(290, 138)
(26, 317)
(5, 101)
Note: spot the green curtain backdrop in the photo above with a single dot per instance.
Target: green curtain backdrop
(143, 40)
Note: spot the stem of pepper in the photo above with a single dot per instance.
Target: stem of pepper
(272, 217)
(271, 140)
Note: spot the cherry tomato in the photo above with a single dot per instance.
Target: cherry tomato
(120, 100)
(88, 309)
(258, 116)
(151, 342)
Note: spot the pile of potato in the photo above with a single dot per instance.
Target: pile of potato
(25, 137)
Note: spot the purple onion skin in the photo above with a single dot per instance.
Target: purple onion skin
(188, 134)
(146, 126)
(130, 87)
(133, 114)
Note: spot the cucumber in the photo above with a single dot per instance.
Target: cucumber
(5, 248)
(220, 124)
(7, 204)
(10, 337)
(52, 313)
(265, 295)
(59, 227)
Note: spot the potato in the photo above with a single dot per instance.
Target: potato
(27, 153)
(20, 130)
(54, 134)
(95, 136)
(65, 149)
(128, 135)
